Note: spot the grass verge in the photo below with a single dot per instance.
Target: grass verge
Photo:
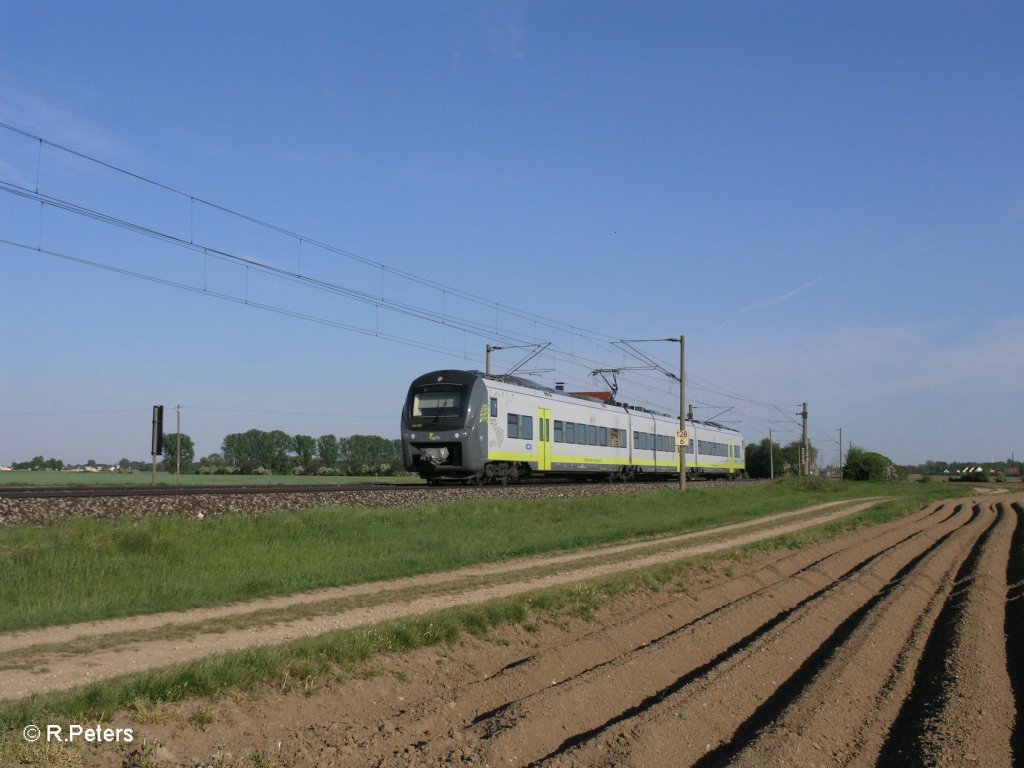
(82, 569)
(309, 662)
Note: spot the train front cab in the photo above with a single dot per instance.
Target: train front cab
(444, 426)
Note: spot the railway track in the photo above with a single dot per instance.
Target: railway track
(36, 506)
(194, 490)
(80, 492)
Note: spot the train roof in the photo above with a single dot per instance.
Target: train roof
(530, 384)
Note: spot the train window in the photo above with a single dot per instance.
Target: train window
(602, 436)
(558, 431)
(592, 435)
(581, 434)
(513, 426)
(616, 440)
(570, 432)
(526, 433)
(622, 438)
(636, 441)
(494, 407)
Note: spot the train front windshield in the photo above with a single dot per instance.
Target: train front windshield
(436, 402)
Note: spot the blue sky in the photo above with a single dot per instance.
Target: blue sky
(826, 198)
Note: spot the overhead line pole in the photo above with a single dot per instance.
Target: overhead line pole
(177, 453)
(682, 390)
(682, 410)
(840, 453)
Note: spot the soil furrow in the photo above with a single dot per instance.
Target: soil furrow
(853, 669)
(961, 706)
(493, 698)
(1014, 628)
(703, 716)
(661, 668)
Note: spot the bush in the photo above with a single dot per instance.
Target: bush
(867, 465)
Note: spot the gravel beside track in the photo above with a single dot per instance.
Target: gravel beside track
(35, 510)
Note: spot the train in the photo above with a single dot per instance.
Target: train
(472, 427)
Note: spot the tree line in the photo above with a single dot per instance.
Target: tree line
(761, 457)
(1009, 466)
(858, 463)
(259, 452)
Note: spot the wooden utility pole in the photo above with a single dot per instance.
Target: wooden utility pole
(806, 445)
(771, 454)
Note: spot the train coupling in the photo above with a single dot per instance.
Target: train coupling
(436, 455)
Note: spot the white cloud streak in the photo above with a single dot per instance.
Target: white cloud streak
(774, 301)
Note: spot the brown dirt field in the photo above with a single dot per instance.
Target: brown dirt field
(900, 644)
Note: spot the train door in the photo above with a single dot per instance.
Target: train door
(544, 439)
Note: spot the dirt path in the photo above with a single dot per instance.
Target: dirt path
(902, 644)
(57, 658)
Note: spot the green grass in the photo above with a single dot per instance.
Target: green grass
(82, 569)
(309, 662)
(53, 478)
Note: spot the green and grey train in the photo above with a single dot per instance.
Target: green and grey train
(469, 426)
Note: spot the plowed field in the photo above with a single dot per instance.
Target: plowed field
(900, 644)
